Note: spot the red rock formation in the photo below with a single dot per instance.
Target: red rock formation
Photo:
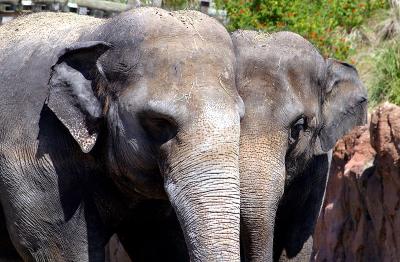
(360, 218)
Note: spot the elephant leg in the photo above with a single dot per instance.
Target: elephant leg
(49, 215)
(46, 195)
(41, 232)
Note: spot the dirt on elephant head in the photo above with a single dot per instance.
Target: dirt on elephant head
(360, 217)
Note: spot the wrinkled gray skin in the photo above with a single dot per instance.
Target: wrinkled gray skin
(297, 105)
(99, 117)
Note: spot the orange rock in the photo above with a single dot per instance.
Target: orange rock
(360, 218)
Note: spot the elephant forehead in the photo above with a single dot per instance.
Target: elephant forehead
(263, 61)
(195, 24)
(155, 23)
(183, 49)
(276, 55)
(279, 79)
(183, 76)
(178, 63)
(279, 87)
(183, 70)
(281, 75)
(282, 97)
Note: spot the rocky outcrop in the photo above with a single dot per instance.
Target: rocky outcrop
(360, 218)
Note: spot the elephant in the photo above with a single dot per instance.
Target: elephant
(98, 118)
(298, 104)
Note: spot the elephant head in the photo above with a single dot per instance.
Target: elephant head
(297, 105)
(151, 94)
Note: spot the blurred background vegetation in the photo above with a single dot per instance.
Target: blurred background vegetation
(323, 22)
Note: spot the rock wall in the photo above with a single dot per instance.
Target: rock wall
(360, 218)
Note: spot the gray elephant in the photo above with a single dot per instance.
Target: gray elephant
(99, 117)
(298, 105)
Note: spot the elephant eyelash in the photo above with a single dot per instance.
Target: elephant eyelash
(296, 128)
(123, 68)
(120, 72)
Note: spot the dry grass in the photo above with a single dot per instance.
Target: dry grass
(378, 55)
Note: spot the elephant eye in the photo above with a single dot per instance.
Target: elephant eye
(159, 128)
(297, 127)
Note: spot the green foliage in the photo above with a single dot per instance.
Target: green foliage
(385, 85)
(175, 4)
(180, 4)
(325, 23)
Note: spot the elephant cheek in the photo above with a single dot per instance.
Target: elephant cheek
(262, 180)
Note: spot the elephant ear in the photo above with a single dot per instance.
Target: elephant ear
(299, 208)
(344, 105)
(71, 97)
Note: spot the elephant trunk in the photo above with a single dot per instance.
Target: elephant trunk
(204, 190)
(262, 178)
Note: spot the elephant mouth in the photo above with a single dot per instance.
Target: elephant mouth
(148, 184)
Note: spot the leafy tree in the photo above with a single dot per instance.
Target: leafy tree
(325, 23)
